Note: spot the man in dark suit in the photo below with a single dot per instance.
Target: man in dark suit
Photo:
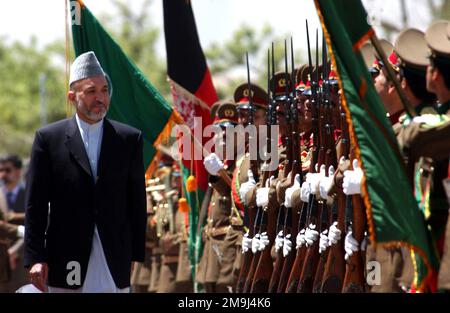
(85, 202)
(13, 189)
(14, 193)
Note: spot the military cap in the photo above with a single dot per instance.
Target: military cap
(371, 57)
(368, 54)
(438, 41)
(278, 85)
(332, 76)
(411, 49)
(299, 82)
(226, 114)
(242, 96)
(318, 74)
(214, 108)
(305, 76)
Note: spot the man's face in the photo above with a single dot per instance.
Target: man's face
(304, 116)
(91, 98)
(431, 78)
(259, 117)
(220, 138)
(9, 174)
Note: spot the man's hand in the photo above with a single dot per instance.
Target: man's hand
(38, 276)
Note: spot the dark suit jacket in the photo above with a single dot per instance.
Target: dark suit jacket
(63, 204)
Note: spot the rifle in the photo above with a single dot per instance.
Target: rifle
(282, 211)
(304, 219)
(330, 160)
(333, 276)
(315, 210)
(250, 212)
(292, 214)
(354, 274)
(266, 174)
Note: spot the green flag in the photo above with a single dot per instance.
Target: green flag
(392, 213)
(134, 100)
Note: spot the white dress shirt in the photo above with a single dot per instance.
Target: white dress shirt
(98, 277)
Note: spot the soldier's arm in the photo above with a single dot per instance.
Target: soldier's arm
(16, 218)
(8, 231)
(220, 185)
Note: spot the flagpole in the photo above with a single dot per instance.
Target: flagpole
(407, 106)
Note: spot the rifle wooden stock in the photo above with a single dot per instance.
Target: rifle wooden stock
(291, 227)
(248, 276)
(264, 268)
(247, 256)
(278, 266)
(251, 273)
(335, 269)
(334, 273)
(311, 261)
(317, 285)
(354, 275)
(296, 271)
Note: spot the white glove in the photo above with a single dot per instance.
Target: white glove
(21, 231)
(263, 241)
(429, 119)
(246, 243)
(157, 196)
(364, 242)
(247, 186)
(311, 235)
(351, 183)
(262, 194)
(255, 243)
(314, 180)
(213, 164)
(334, 234)
(290, 191)
(323, 242)
(300, 239)
(325, 183)
(350, 244)
(305, 191)
(287, 245)
(279, 241)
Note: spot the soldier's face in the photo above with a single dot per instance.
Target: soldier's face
(432, 74)
(259, 117)
(91, 98)
(243, 116)
(305, 115)
(382, 88)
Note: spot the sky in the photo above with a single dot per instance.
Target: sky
(216, 19)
